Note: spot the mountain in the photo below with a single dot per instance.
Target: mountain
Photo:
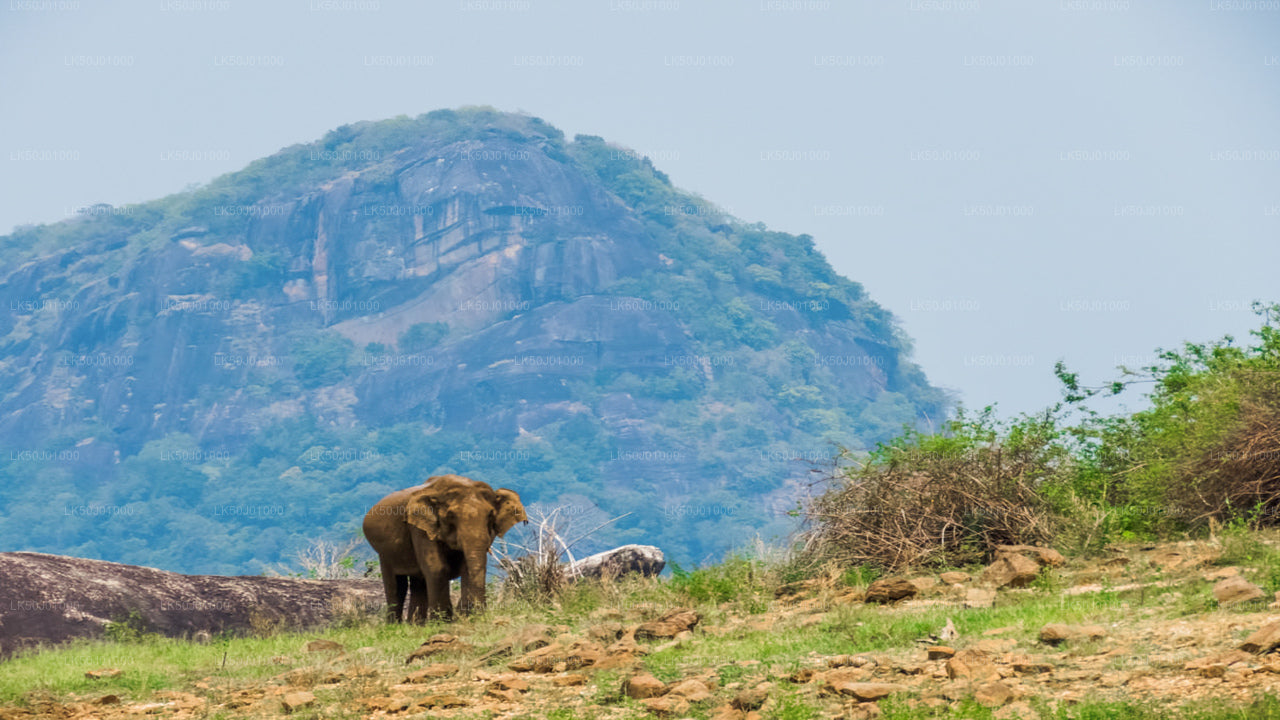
(211, 381)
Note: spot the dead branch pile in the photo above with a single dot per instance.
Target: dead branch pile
(930, 508)
(533, 565)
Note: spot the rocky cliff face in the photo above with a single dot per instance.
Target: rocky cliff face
(544, 314)
(48, 599)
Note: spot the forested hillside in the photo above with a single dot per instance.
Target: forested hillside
(210, 381)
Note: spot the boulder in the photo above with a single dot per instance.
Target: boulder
(940, 652)
(970, 664)
(438, 643)
(1263, 640)
(666, 706)
(955, 578)
(691, 690)
(1058, 633)
(569, 680)
(992, 694)
(645, 560)
(867, 691)
(887, 590)
(52, 599)
(1235, 590)
(1045, 557)
(669, 625)
(1011, 570)
(643, 685)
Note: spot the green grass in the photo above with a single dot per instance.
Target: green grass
(731, 597)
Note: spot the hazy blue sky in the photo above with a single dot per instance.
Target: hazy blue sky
(1018, 181)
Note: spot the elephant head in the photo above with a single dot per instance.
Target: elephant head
(439, 531)
(463, 517)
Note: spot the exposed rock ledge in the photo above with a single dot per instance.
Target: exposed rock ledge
(52, 598)
(644, 559)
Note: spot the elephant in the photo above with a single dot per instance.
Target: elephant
(427, 535)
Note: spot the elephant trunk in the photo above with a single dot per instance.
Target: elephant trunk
(473, 579)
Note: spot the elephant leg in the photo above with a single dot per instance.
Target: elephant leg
(439, 604)
(417, 610)
(394, 587)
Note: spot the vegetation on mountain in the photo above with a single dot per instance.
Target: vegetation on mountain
(210, 381)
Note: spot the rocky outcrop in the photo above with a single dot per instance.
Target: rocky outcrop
(645, 560)
(1235, 590)
(543, 273)
(1019, 565)
(887, 590)
(51, 599)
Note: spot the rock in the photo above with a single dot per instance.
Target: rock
(801, 676)
(645, 560)
(752, 698)
(839, 661)
(1222, 658)
(691, 690)
(940, 652)
(1214, 670)
(954, 578)
(49, 599)
(1058, 633)
(443, 701)
(510, 696)
(1045, 557)
(104, 674)
(569, 680)
(970, 664)
(432, 672)
(643, 685)
(886, 590)
(583, 654)
(923, 584)
(993, 694)
(322, 646)
(979, 597)
(297, 700)
(543, 659)
(1221, 573)
(797, 588)
(727, 712)
(1011, 570)
(442, 642)
(669, 625)
(1235, 590)
(511, 683)
(1263, 640)
(666, 706)
(605, 632)
(1030, 666)
(867, 691)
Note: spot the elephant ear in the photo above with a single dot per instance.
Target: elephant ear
(423, 512)
(509, 511)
